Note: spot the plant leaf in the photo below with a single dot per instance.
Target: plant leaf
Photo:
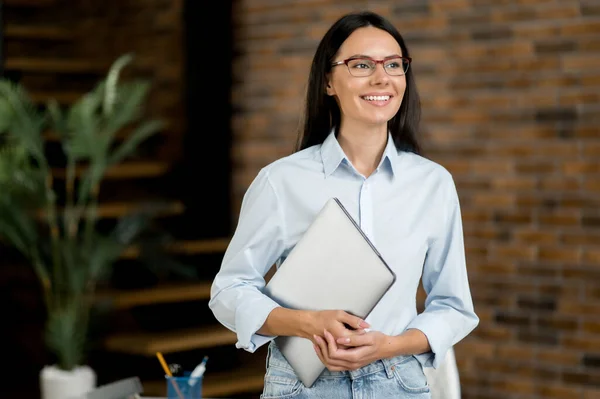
(110, 94)
(66, 333)
(141, 133)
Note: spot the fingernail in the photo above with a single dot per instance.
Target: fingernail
(363, 324)
(344, 340)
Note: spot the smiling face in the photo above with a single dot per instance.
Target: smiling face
(368, 100)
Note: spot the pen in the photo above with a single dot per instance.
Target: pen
(198, 372)
(161, 359)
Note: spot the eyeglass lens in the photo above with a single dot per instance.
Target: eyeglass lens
(365, 67)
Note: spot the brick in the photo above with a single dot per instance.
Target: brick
(559, 254)
(591, 361)
(564, 289)
(592, 327)
(580, 97)
(539, 337)
(580, 238)
(589, 378)
(541, 200)
(529, 302)
(515, 351)
(558, 323)
(475, 215)
(492, 166)
(448, 6)
(412, 23)
(513, 150)
(525, 132)
(558, 357)
(560, 184)
(580, 272)
(493, 200)
(591, 393)
(589, 8)
(535, 166)
(536, 31)
(580, 201)
(539, 271)
(513, 251)
(491, 33)
(486, 233)
(514, 183)
(559, 11)
(579, 308)
(591, 256)
(580, 28)
(560, 218)
(478, 348)
(470, 183)
(535, 237)
(556, 391)
(558, 81)
(591, 150)
(562, 114)
(522, 387)
(581, 167)
(555, 47)
(497, 268)
(473, 252)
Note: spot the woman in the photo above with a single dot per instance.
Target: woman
(359, 144)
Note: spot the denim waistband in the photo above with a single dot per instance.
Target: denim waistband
(276, 359)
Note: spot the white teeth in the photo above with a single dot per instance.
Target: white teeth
(376, 98)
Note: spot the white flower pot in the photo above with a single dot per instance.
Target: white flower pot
(60, 384)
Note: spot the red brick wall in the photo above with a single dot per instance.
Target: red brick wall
(511, 103)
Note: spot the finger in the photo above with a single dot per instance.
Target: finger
(345, 332)
(323, 354)
(353, 321)
(331, 344)
(319, 353)
(356, 340)
(334, 351)
(326, 351)
(322, 345)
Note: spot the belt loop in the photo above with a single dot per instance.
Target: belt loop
(389, 368)
(268, 355)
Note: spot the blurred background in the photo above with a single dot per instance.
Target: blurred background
(510, 94)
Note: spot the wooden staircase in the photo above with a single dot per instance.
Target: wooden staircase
(162, 313)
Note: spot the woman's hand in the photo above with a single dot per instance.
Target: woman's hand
(339, 323)
(351, 353)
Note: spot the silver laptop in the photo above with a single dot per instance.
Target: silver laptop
(333, 266)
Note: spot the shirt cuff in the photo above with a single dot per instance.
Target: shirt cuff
(438, 335)
(250, 317)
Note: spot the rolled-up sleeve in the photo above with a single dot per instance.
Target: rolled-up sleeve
(237, 300)
(449, 315)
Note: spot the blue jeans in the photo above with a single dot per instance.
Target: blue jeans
(400, 377)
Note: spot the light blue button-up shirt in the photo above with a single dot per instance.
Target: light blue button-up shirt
(408, 207)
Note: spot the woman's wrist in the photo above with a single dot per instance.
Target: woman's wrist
(306, 324)
(289, 322)
(393, 345)
(410, 342)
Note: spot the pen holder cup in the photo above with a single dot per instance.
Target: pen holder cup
(184, 387)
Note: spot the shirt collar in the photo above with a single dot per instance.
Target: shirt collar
(332, 155)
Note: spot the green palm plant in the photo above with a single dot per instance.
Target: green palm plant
(61, 241)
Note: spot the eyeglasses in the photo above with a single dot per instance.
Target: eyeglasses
(365, 66)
